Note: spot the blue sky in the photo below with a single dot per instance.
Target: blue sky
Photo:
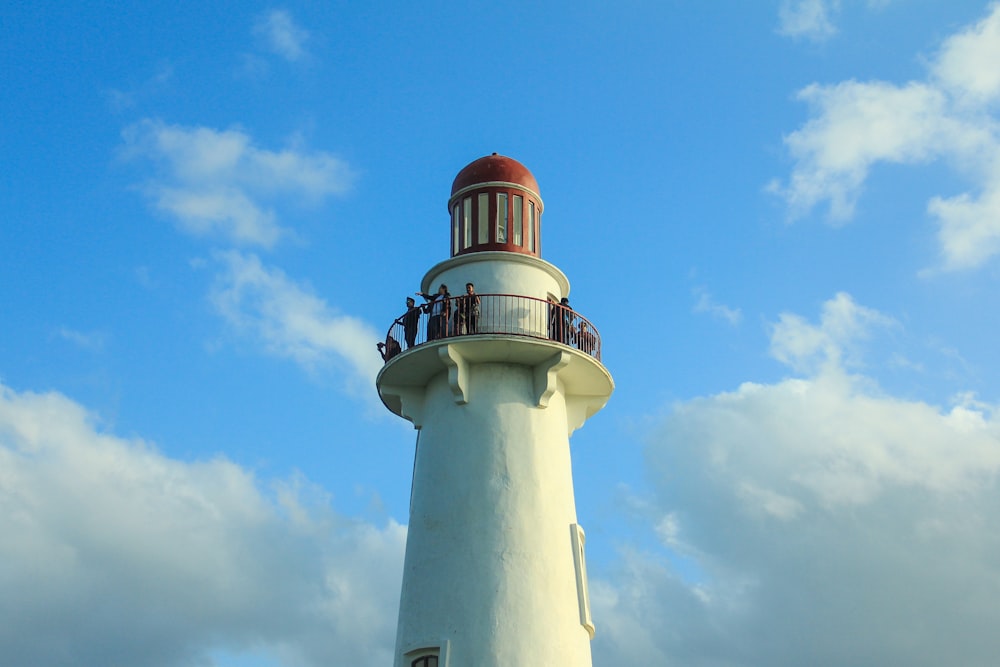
(783, 217)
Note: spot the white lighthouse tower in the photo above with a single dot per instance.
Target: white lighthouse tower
(495, 383)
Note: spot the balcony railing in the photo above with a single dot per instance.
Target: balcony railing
(480, 314)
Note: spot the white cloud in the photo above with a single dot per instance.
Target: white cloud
(969, 230)
(831, 524)
(112, 553)
(293, 322)
(949, 116)
(832, 343)
(218, 183)
(282, 35)
(706, 304)
(966, 64)
(809, 19)
(813, 19)
(854, 126)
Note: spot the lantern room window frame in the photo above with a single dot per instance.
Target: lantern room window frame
(496, 216)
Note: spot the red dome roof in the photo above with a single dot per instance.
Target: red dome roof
(494, 168)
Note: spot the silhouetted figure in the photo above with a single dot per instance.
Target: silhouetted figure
(389, 349)
(555, 319)
(410, 320)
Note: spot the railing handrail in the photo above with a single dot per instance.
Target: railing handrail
(491, 314)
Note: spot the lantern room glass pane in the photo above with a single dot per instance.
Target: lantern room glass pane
(454, 230)
(531, 226)
(466, 222)
(483, 218)
(517, 210)
(502, 218)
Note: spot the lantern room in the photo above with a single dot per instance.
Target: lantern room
(495, 205)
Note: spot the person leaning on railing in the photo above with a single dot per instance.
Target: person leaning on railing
(439, 307)
(467, 316)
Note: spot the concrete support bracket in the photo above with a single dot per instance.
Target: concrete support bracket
(409, 401)
(458, 372)
(580, 408)
(546, 377)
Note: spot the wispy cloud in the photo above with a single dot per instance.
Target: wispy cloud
(121, 100)
(706, 304)
(950, 115)
(118, 554)
(89, 340)
(282, 35)
(219, 183)
(814, 20)
(290, 321)
(808, 19)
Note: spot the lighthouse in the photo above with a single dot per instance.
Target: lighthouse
(495, 370)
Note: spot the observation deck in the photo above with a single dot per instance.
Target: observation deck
(560, 345)
(494, 314)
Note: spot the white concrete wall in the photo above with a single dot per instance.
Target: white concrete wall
(498, 273)
(489, 556)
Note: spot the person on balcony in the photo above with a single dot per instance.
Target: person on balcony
(389, 349)
(468, 311)
(561, 322)
(439, 307)
(586, 339)
(568, 330)
(554, 319)
(410, 320)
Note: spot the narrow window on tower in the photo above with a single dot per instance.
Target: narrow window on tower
(531, 225)
(454, 230)
(483, 218)
(579, 560)
(517, 209)
(427, 656)
(502, 218)
(538, 232)
(467, 222)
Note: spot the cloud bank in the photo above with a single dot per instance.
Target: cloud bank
(817, 521)
(112, 553)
